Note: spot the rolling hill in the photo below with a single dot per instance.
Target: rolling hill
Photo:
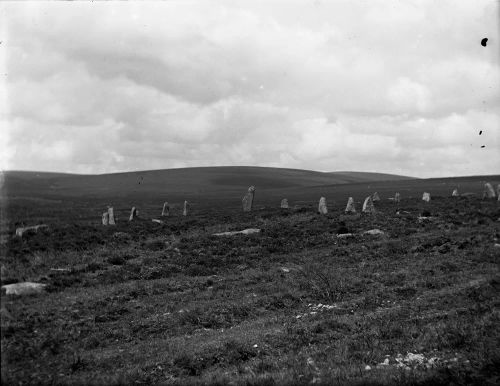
(186, 180)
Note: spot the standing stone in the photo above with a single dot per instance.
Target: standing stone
(105, 218)
(166, 209)
(426, 197)
(350, 206)
(375, 197)
(368, 206)
(185, 211)
(488, 191)
(397, 197)
(455, 193)
(284, 204)
(322, 209)
(111, 216)
(247, 200)
(133, 214)
(498, 192)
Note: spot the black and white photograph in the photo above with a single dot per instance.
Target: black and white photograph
(254, 193)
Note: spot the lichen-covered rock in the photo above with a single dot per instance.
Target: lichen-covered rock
(426, 197)
(166, 209)
(284, 204)
(488, 191)
(455, 193)
(105, 218)
(111, 216)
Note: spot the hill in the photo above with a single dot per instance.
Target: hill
(185, 180)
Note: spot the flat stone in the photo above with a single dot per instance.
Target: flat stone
(248, 231)
(26, 288)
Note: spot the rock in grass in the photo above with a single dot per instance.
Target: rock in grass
(185, 211)
(368, 206)
(488, 191)
(105, 218)
(26, 288)
(397, 197)
(426, 197)
(247, 200)
(248, 231)
(455, 193)
(133, 214)
(498, 192)
(166, 209)
(32, 229)
(284, 204)
(350, 206)
(157, 221)
(111, 216)
(375, 197)
(322, 208)
(374, 232)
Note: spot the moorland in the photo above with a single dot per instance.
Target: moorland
(170, 303)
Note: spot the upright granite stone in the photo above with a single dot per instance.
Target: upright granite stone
(397, 197)
(111, 216)
(350, 206)
(322, 209)
(284, 204)
(455, 193)
(166, 209)
(185, 211)
(247, 200)
(488, 191)
(368, 206)
(375, 197)
(133, 214)
(426, 197)
(498, 192)
(105, 218)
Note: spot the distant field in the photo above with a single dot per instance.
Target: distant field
(147, 303)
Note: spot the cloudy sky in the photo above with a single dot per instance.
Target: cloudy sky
(400, 87)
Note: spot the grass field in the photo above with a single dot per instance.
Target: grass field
(143, 303)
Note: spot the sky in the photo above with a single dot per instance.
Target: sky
(401, 87)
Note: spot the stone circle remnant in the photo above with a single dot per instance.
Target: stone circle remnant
(397, 197)
(350, 206)
(368, 206)
(488, 191)
(105, 218)
(426, 197)
(133, 214)
(375, 197)
(284, 204)
(185, 211)
(455, 193)
(322, 208)
(111, 216)
(247, 200)
(166, 209)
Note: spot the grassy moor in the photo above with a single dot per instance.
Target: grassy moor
(296, 303)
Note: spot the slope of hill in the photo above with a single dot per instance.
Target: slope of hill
(194, 180)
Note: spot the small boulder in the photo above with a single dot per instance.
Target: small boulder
(284, 204)
(397, 197)
(374, 232)
(157, 221)
(32, 229)
(105, 218)
(455, 193)
(426, 197)
(375, 197)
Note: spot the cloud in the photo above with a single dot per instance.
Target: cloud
(385, 86)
